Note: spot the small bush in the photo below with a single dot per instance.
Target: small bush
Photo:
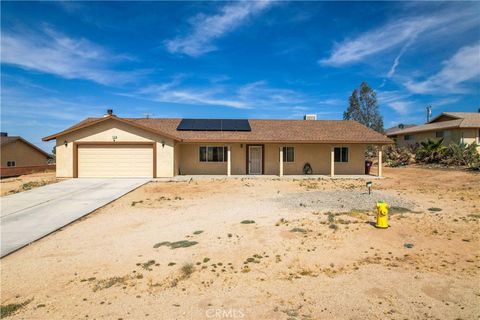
(333, 226)
(430, 151)
(110, 282)
(247, 221)
(301, 230)
(187, 269)
(9, 309)
(395, 156)
(176, 245)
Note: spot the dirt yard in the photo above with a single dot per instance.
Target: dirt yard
(261, 249)
(26, 182)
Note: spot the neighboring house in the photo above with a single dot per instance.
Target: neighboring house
(18, 156)
(146, 147)
(453, 127)
(392, 130)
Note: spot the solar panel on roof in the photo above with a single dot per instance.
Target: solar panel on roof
(214, 125)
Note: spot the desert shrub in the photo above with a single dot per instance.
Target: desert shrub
(433, 151)
(462, 155)
(394, 156)
(472, 157)
(430, 151)
(454, 154)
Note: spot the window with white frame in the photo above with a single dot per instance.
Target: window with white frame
(11, 163)
(288, 154)
(407, 137)
(341, 154)
(213, 154)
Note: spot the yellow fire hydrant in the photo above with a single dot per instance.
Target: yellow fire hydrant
(382, 215)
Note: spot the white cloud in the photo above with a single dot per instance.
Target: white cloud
(375, 41)
(251, 95)
(464, 66)
(397, 101)
(401, 107)
(396, 62)
(52, 52)
(206, 29)
(401, 34)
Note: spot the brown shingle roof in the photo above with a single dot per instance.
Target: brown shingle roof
(465, 120)
(9, 139)
(300, 131)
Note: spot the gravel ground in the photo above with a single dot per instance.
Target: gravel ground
(342, 200)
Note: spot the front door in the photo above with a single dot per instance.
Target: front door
(255, 160)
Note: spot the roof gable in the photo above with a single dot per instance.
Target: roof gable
(92, 121)
(9, 139)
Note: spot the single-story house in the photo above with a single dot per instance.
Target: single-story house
(18, 156)
(453, 127)
(112, 146)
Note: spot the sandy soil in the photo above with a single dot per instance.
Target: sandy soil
(289, 264)
(34, 180)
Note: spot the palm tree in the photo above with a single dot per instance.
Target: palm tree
(430, 150)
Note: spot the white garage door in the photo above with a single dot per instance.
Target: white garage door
(115, 161)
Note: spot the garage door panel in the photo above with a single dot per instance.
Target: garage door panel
(115, 160)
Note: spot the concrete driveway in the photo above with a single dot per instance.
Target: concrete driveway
(31, 215)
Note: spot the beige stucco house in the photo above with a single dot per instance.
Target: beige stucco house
(18, 152)
(453, 127)
(146, 147)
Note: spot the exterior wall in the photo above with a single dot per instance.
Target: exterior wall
(318, 155)
(104, 132)
(469, 136)
(189, 160)
(23, 155)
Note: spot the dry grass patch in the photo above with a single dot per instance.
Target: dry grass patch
(10, 309)
(176, 245)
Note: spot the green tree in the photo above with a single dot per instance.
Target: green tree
(363, 107)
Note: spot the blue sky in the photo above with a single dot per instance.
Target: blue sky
(65, 61)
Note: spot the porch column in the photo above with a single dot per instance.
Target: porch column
(280, 172)
(380, 160)
(229, 161)
(332, 161)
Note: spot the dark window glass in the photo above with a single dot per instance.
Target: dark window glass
(217, 154)
(341, 154)
(344, 154)
(338, 154)
(288, 154)
(439, 134)
(213, 154)
(203, 154)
